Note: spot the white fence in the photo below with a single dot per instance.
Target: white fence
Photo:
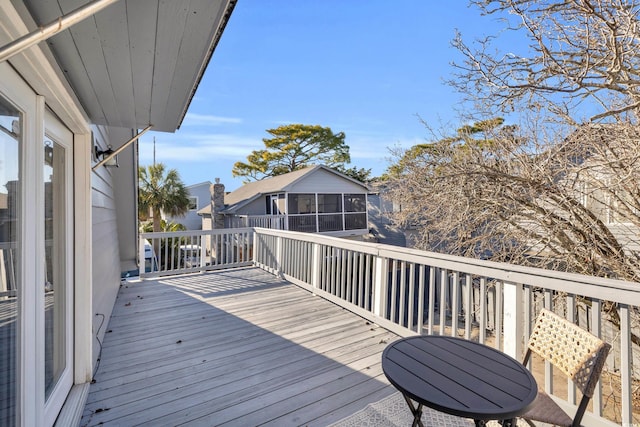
(277, 222)
(417, 292)
(181, 252)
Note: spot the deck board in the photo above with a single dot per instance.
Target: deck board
(235, 347)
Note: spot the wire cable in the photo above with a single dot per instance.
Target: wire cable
(100, 345)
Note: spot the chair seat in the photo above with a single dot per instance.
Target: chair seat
(546, 410)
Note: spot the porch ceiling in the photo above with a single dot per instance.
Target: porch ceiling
(137, 62)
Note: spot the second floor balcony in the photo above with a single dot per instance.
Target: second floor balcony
(283, 328)
(345, 223)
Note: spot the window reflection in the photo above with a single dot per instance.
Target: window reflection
(55, 281)
(10, 126)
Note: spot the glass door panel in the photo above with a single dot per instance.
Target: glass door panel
(58, 320)
(10, 286)
(55, 280)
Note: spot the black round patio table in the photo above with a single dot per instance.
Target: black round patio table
(458, 377)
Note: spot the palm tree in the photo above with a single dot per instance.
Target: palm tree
(161, 193)
(167, 250)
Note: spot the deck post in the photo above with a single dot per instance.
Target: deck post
(512, 319)
(279, 250)
(141, 260)
(316, 266)
(380, 278)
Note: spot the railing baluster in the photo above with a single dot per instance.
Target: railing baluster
(571, 316)
(412, 296)
(595, 327)
(442, 302)
(432, 299)
(483, 310)
(394, 297)
(334, 270)
(498, 315)
(626, 365)
(349, 277)
(421, 293)
(367, 282)
(468, 308)
(344, 260)
(455, 302)
(402, 309)
(527, 301)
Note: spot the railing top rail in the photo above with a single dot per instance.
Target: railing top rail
(195, 232)
(257, 216)
(595, 287)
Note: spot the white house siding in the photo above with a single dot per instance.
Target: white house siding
(256, 207)
(105, 242)
(193, 221)
(324, 182)
(628, 235)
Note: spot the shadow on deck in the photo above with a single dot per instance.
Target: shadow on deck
(234, 347)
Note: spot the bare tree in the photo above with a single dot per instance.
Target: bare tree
(559, 188)
(496, 192)
(579, 52)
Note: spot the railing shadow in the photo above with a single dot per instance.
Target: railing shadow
(250, 350)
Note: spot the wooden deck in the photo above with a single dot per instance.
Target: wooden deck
(233, 347)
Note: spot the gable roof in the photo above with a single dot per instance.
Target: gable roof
(200, 184)
(281, 183)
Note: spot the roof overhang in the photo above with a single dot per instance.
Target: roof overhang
(137, 62)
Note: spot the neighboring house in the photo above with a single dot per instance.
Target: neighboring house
(381, 209)
(75, 86)
(602, 175)
(199, 197)
(315, 199)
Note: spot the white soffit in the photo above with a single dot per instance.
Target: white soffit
(137, 62)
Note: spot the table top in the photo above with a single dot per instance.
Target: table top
(459, 377)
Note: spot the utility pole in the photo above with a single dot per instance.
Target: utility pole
(154, 151)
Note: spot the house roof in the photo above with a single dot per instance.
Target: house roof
(207, 183)
(136, 62)
(281, 183)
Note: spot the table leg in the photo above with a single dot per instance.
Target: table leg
(416, 411)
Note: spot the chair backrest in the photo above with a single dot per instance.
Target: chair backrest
(576, 352)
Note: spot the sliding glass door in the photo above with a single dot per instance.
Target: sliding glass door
(36, 258)
(10, 275)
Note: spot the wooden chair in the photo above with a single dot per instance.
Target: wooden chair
(577, 353)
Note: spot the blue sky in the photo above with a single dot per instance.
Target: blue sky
(363, 67)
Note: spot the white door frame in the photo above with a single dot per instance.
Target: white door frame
(62, 136)
(30, 342)
(30, 394)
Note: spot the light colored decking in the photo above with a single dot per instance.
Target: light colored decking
(235, 347)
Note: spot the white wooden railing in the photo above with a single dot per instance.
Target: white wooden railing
(277, 222)
(416, 292)
(310, 223)
(182, 252)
